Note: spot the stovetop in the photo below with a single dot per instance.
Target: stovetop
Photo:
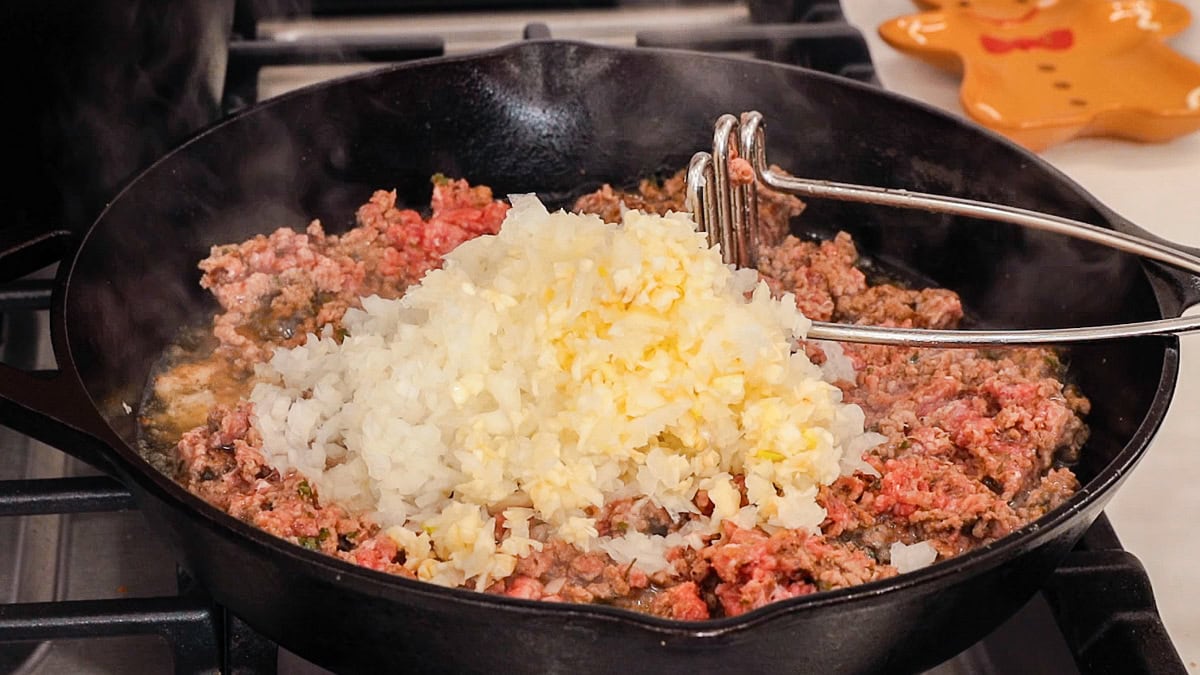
(87, 588)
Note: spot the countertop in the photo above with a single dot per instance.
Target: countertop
(1157, 187)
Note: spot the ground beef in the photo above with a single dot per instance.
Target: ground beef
(754, 568)
(222, 462)
(276, 289)
(681, 601)
(634, 515)
(562, 572)
(828, 287)
(817, 273)
(775, 209)
(975, 439)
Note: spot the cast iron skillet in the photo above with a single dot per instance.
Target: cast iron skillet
(561, 117)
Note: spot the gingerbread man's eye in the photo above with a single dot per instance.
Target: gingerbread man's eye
(964, 3)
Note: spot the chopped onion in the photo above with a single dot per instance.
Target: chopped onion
(837, 366)
(852, 460)
(906, 558)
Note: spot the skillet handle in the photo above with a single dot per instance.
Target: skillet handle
(54, 409)
(1188, 285)
(1119, 630)
(26, 249)
(51, 407)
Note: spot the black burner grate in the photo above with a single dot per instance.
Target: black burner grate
(248, 56)
(807, 33)
(835, 47)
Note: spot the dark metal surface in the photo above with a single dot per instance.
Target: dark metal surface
(341, 7)
(248, 57)
(26, 293)
(784, 11)
(186, 623)
(558, 117)
(26, 248)
(63, 495)
(836, 48)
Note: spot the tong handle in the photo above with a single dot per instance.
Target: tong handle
(925, 337)
(712, 189)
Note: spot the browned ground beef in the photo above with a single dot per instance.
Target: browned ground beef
(972, 436)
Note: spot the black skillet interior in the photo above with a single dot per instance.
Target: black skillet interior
(558, 118)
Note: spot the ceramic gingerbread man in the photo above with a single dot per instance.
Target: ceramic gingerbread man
(1045, 71)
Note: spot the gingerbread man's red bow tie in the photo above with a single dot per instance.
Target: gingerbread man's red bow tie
(1054, 40)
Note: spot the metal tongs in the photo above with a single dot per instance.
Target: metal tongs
(727, 210)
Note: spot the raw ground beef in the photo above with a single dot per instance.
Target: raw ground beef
(276, 289)
(222, 462)
(975, 446)
(775, 209)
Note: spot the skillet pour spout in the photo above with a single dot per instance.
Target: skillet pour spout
(562, 118)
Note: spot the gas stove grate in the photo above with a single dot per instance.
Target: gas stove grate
(202, 636)
(247, 57)
(835, 48)
(808, 33)
(189, 622)
(25, 294)
(75, 494)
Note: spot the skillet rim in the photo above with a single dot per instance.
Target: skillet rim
(130, 464)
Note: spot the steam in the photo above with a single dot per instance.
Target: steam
(136, 78)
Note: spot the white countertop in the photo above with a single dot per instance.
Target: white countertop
(1157, 187)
